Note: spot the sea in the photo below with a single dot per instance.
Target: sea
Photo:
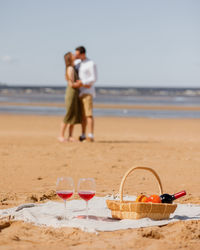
(119, 96)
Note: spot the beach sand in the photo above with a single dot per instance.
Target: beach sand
(32, 159)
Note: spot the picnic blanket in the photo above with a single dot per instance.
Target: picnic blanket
(52, 213)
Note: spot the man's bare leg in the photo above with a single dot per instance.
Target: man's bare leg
(90, 126)
(83, 125)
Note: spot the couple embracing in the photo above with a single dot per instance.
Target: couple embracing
(80, 76)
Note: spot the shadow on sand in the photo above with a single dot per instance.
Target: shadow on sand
(125, 141)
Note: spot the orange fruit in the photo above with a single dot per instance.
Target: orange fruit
(141, 198)
(144, 199)
(154, 199)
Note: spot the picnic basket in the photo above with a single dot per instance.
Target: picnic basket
(121, 209)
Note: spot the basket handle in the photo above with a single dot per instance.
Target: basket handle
(133, 169)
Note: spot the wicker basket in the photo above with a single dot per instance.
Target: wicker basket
(136, 210)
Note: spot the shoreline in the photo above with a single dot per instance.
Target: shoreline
(107, 106)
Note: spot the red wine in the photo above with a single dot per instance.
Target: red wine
(64, 194)
(167, 198)
(86, 195)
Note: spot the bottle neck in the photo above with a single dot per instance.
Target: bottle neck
(178, 195)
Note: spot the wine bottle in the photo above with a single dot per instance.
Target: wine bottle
(168, 198)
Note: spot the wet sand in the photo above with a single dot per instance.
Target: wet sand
(106, 106)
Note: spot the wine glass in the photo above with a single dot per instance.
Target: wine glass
(65, 189)
(86, 190)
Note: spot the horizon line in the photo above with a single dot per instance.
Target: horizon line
(98, 86)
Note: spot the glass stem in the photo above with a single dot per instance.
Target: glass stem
(65, 202)
(87, 210)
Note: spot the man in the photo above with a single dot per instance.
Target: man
(87, 75)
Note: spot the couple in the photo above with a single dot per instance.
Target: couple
(80, 76)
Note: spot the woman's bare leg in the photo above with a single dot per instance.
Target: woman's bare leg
(71, 129)
(63, 127)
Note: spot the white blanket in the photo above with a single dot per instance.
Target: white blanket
(51, 214)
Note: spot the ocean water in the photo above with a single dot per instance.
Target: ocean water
(157, 97)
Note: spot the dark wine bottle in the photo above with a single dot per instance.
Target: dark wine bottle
(168, 198)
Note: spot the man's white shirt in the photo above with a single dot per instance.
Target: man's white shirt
(88, 76)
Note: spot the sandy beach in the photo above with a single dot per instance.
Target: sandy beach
(32, 159)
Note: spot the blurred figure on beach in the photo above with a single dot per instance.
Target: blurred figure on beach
(87, 73)
(73, 115)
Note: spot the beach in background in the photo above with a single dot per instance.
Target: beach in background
(109, 101)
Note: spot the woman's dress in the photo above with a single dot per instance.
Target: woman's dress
(73, 114)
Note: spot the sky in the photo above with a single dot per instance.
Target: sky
(147, 43)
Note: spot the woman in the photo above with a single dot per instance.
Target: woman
(73, 115)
